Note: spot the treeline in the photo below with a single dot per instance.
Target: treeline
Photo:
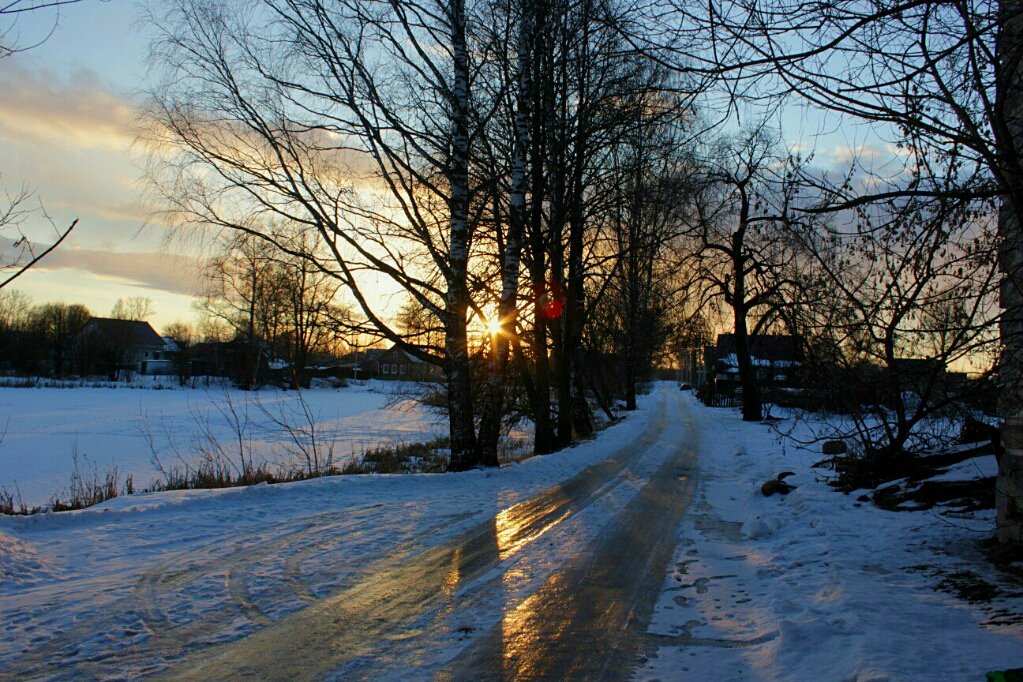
(537, 198)
(41, 339)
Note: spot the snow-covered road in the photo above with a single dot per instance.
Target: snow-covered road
(359, 577)
(557, 567)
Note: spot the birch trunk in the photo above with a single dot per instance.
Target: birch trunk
(462, 429)
(507, 311)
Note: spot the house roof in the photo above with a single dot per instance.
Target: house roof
(126, 332)
(409, 357)
(772, 349)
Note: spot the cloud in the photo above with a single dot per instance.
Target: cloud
(41, 108)
(169, 272)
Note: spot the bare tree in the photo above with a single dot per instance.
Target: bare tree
(291, 104)
(742, 256)
(243, 292)
(184, 333)
(909, 291)
(646, 189)
(312, 311)
(137, 308)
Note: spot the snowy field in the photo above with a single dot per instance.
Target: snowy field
(43, 428)
(812, 586)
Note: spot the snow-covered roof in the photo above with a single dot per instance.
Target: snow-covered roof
(732, 360)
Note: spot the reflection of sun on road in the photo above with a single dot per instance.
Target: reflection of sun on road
(587, 621)
(522, 633)
(516, 528)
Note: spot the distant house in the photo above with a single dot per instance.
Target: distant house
(777, 359)
(395, 364)
(110, 346)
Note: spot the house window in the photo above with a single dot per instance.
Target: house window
(403, 368)
(386, 367)
(147, 354)
(394, 369)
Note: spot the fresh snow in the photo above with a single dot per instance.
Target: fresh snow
(812, 586)
(41, 429)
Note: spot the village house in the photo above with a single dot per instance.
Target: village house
(777, 359)
(396, 365)
(111, 346)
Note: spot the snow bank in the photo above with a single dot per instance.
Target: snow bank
(817, 585)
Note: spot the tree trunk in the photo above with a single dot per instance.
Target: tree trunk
(559, 323)
(1009, 484)
(490, 426)
(751, 406)
(582, 419)
(462, 429)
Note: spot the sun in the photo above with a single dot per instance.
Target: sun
(494, 325)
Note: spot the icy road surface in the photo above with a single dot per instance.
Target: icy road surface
(482, 575)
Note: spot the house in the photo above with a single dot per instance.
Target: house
(395, 364)
(110, 346)
(777, 359)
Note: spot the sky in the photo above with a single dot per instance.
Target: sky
(67, 130)
(68, 121)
